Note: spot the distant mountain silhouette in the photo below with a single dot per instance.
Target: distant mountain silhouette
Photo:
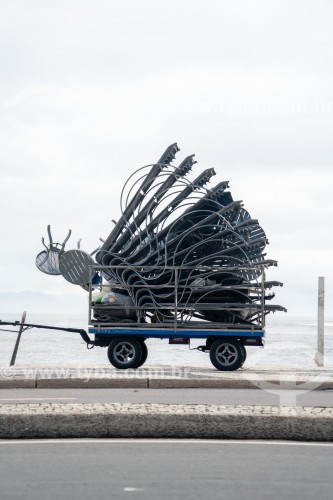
(40, 302)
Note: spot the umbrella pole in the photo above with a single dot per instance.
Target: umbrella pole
(17, 343)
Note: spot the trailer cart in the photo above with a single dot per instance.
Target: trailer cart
(123, 318)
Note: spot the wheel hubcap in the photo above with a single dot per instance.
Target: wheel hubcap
(124, 352)
(226, 354)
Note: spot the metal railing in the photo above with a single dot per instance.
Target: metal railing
(181, 301)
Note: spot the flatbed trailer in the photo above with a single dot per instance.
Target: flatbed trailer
(127, 346)
(176, 315)
(227, 347)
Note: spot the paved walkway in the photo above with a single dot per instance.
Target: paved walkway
(164, 376)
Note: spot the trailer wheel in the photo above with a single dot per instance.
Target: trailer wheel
(226, 355)
(125, 352)
(144, 354)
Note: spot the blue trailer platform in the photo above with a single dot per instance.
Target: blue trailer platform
(127, 347)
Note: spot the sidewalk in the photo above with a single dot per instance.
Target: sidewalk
(165, 376)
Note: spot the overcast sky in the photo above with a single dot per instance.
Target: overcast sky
(92, 90)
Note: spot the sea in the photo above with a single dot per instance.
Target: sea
(289, 342)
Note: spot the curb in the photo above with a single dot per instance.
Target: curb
(165, 421)
(283, 382)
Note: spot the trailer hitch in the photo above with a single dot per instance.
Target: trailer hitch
(28, 326)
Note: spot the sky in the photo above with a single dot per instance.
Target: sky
(92, 90)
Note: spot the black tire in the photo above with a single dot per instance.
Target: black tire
(244, 354)
(226, 355)
(124, 352)
(144, 354)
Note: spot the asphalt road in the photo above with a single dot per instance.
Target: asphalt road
(181, 396)
(123, 469)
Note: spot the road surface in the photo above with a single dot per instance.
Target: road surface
(172, 396)
(168, 469)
